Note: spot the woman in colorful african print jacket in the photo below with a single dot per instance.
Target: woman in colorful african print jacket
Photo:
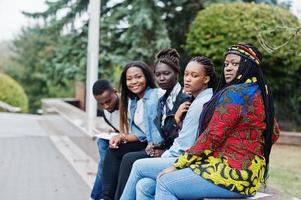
(231, 156)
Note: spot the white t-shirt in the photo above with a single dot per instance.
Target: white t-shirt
(113, 118)
(139, 113)
(138, 116)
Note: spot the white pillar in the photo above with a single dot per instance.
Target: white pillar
(92, 62)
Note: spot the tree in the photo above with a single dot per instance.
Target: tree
(32, 47)
(129, 30)
(219, 26)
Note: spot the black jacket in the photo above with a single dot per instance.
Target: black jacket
(169, 131)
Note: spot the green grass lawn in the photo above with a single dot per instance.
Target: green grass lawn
(285, 169)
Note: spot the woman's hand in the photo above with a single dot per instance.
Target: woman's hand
(115, 141)
(149, 149)
(183, 108)
(153, 150)
(158, 150)
(167, 170)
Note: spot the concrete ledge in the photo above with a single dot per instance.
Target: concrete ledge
(267, 194)
(74, 115)
(289, 138)
(9, 108)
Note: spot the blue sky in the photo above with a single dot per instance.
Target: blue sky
(11, 18)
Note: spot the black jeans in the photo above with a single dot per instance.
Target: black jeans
(125, 169)
(112, 164)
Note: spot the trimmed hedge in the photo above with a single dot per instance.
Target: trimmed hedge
(220, 25)
(12, 93)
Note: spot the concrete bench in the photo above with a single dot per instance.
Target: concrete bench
(266, 194)
(289, 138)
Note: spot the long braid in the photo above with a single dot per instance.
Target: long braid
(270, 114)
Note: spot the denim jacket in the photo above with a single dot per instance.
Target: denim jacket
(150, 104)
(189, 132)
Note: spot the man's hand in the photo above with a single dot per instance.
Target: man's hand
(166, 171)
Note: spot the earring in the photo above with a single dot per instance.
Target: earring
(239, 77)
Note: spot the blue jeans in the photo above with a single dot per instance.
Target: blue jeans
(185, 184)
(103, 145)
(145, 189)
(141, 183)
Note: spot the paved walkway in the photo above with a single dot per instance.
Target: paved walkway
(40, 160)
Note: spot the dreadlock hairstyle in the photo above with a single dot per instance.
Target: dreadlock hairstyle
(126, 93)
(249, 66)
(209, 69)
(170, 57)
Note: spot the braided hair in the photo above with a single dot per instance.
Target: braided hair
(170, 57)
(209, 69)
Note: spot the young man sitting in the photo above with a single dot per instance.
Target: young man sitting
(108, 101)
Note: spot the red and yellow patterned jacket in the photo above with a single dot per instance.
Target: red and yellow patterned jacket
(229, 152)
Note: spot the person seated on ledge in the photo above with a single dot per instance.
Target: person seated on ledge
(108, 100)
(231, 156)
(138, 108)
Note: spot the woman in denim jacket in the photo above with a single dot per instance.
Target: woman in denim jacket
(138, 108)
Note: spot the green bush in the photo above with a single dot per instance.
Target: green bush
(220, 25)
(12, 93)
